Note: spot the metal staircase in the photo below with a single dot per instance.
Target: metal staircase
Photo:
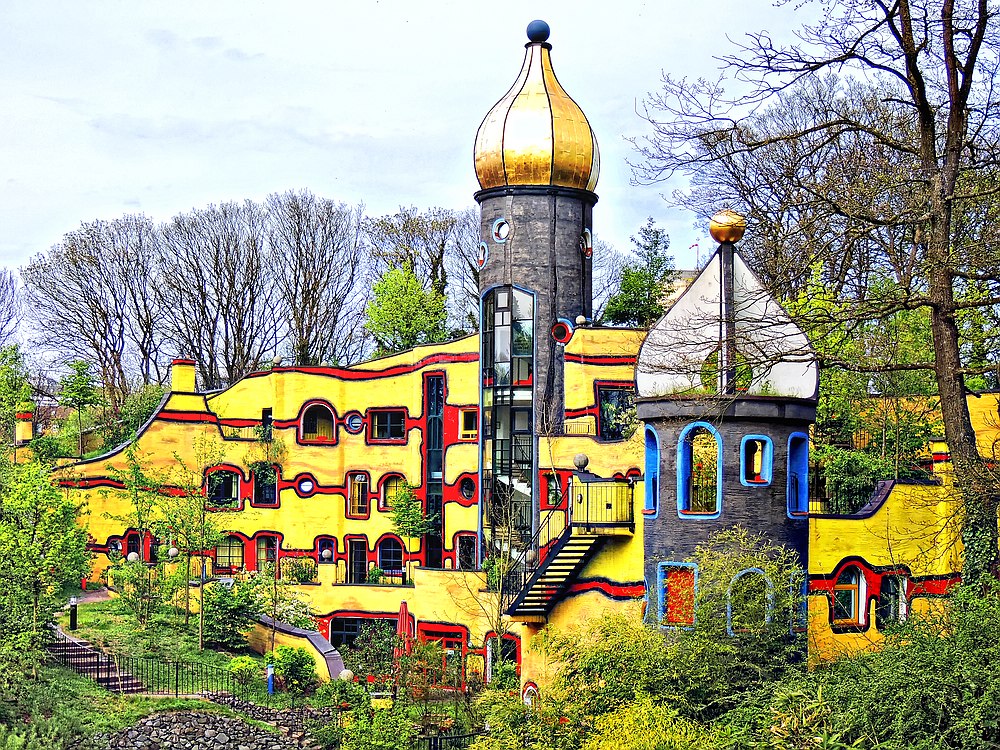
(598, 510)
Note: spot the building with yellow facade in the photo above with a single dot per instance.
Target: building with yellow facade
(549, 508)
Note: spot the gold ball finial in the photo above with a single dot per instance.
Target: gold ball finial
(727, 226)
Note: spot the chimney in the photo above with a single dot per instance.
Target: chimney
(182, 376)
(24, 430)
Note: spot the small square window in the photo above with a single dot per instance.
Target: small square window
(267, 550)
(756, 460)
(892, 606)
(388, 425)
(467, 553)
(616, 412)
(223, 488)
(469, 424)
(265, 486)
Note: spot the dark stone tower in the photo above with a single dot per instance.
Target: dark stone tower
(537, 163)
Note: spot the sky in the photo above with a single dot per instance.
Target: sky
(108, 108)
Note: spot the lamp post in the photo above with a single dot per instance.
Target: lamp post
(72, 612)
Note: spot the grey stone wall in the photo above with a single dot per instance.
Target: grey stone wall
(761, 509)
(193, 730)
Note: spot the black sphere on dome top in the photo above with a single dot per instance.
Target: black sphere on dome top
(538, 31)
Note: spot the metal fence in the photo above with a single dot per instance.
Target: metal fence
(133, 674)
(445, 742)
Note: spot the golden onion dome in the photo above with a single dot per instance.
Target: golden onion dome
(536, 134)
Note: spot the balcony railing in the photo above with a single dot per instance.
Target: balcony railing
(602, 504)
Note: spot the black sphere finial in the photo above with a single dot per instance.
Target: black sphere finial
(538, 31)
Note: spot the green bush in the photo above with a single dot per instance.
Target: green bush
(295, 666)
(379, 729)
(342, 694)
(230, 614)
(245, 669)
(503, 676)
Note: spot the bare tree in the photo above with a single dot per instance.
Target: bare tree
(897, 149)
(421, 240)
(219, 291)
(462, 261)
(10, 305)
(320, 275)
(608, 265)
(91, 297)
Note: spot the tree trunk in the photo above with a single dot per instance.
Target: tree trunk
(971, 477)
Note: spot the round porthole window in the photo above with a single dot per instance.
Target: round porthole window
(483, 255)
(501, 230)
(353, 423)
(468, 488)
(562, 332)
(306, 486)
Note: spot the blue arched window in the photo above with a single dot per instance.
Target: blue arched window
(652, 472)
(699, 471)
(756, 460)
(798, 474)
(749, 602)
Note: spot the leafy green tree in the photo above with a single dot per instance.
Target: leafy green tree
(408, 517)
(141, 589)
(78, 390)
(185, 521)
(43, 547)
(645, 282)
(14, 389)
(136, 409)
(404, 314)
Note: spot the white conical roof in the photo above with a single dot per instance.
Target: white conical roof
(679, 355)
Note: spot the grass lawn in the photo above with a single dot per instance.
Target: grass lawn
(107, 625)
(62, 705)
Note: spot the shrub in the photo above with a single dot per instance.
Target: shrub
(295, 666)
(342, 694)
(503, 676)
(379, 729)
(230, 613)
(244, 669)
(645, 726)
(375, 575)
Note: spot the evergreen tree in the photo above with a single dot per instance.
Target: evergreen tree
(644, 283)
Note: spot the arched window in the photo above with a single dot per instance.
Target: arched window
(229, 553)
(849, 597)
(798, 474)
(392, 485)
(749, 602)
(390, 554)
(699, 471)
(652, 467)
(317, 425)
